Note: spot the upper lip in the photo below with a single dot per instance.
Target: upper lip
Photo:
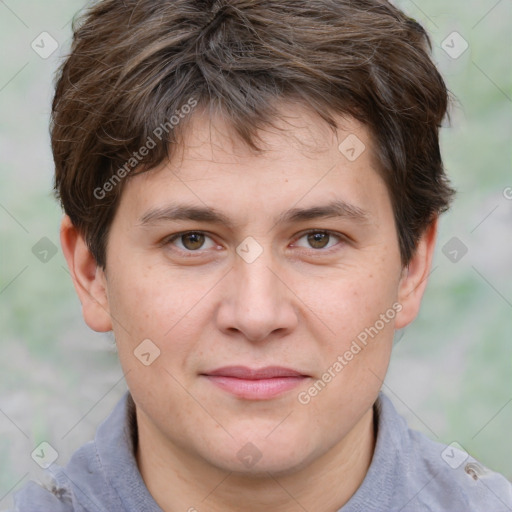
(243, 372)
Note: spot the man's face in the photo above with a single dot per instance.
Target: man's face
(281, 286)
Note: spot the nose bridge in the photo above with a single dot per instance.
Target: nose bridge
(259, 302)
(258, 285)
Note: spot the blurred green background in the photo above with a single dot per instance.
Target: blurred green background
(451, 372)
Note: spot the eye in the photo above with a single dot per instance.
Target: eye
(191, 241)
(317, 239)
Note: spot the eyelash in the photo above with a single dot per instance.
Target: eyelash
(342, 238)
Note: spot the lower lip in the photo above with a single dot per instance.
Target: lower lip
(256, 389)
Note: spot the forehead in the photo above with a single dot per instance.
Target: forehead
(296, 130)
(302, 162)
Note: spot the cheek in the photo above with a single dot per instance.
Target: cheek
(166, 307)
(154, 301)
(360, 312)
(348, 304)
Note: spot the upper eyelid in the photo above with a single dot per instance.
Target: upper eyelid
(183, 233)
(309, 231)
(172, 238)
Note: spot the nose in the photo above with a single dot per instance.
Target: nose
(258, 302)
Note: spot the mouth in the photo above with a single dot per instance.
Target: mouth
(255, 384)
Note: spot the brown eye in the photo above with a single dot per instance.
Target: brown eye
(192, 241)
(318, 240)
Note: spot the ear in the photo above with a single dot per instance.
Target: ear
(89, 279)
(415, 276)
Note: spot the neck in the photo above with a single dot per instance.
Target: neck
(178, 481)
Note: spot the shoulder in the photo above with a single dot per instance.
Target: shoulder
(85, 483)
(456, 479)
(58, 491)
(437, 476)
(41, 498)
(102, 475)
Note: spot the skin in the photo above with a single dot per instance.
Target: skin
(297, 305)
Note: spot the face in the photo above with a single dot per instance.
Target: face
(269, 287)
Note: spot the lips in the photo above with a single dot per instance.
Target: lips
(242, 372)
(255, 384)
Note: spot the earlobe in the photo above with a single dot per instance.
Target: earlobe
(89, 280)
(415, 277)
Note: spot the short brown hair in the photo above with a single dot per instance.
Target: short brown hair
(135, 64)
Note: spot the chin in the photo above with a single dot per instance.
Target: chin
(280, 467)
(257, 459)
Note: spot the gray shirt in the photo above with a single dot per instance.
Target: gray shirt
(408, 473)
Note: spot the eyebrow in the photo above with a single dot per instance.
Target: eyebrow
(173, 212)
